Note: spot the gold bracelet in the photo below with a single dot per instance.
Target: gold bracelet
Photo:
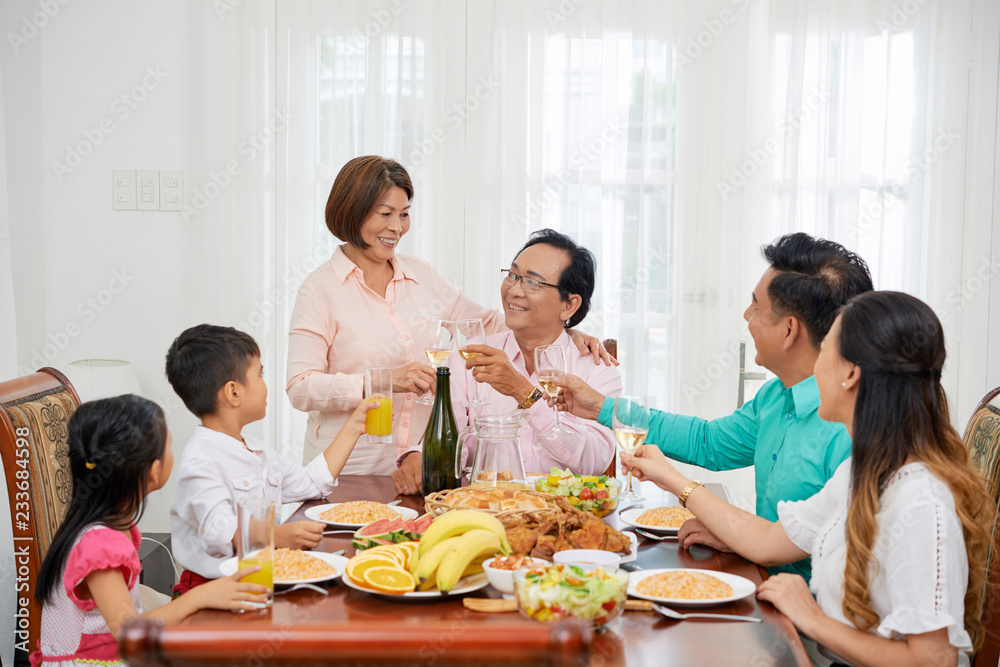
(687, 492)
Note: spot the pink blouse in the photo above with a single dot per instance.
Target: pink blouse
(340, 326)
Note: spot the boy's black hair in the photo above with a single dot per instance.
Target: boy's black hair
(578, 277)
(815, 278)
(120, 438)
(203, 359)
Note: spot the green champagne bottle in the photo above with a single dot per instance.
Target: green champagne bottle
(440, 439)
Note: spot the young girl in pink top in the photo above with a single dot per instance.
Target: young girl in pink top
(119, 452)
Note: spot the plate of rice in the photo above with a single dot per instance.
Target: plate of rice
(689, 587)
(294, 566)
(660, 520)
(357, 513)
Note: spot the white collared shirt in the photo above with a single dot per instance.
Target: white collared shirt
(215, 472)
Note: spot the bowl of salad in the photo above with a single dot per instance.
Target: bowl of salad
(552, 593)
(597, 494)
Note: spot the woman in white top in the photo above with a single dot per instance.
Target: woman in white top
(899, 536)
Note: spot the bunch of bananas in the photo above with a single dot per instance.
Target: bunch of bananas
(455, 546)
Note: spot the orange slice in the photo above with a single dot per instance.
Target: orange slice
(358, 565)
(389, 580)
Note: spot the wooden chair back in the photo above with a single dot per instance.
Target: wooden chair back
(982, 438)
(33, 429)
(611, 345)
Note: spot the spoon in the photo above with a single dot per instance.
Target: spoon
(670, 613)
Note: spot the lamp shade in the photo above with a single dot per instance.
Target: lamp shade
(102, 378)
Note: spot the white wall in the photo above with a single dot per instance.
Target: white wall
(93, 282)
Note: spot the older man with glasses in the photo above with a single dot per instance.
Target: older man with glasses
(546, 290)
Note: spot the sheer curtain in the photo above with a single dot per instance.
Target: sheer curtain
(671, 138)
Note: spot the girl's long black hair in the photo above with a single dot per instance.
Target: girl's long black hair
(121, 438)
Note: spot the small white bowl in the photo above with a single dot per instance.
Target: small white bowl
(503, 580)
(589, 559)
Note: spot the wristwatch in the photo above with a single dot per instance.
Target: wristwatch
(533, 397)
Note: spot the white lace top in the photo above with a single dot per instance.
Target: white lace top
(919, 569)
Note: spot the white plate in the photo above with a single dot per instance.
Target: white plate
(338, 562)
(741, 587)
(314, 512)
(465, 585)
(629, 517)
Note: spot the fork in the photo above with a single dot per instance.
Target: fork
(670, 613)
(651, 536)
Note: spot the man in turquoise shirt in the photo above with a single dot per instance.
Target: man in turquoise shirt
(793, 451)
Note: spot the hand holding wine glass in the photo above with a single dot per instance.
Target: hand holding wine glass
(438, 349)
(550, 365)
(471, 332)
(630, 421)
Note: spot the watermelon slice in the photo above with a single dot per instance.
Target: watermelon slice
(391, 531)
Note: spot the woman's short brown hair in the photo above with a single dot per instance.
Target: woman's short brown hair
(359, 187)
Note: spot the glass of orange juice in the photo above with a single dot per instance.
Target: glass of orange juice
(256, 544)
(378, 387)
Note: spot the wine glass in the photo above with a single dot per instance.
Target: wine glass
(550, 363)
(630, 421)
(438, 349)
(471, 332)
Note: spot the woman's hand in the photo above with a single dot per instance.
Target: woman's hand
(229, 592)
(578, 398)
(649, 463)
(593, 345)
(413, 377)
(790, 595)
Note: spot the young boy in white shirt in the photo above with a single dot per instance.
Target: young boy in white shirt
(218, 374)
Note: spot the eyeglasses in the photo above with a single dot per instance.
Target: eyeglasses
(530, 284)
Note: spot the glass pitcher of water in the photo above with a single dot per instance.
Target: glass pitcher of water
(497, 461)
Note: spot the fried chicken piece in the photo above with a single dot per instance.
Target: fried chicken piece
(544, 547)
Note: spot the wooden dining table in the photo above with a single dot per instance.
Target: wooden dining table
(308, 627)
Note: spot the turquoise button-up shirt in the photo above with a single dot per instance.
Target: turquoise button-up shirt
(779, 433)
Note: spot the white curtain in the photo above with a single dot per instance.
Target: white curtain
(673, 139)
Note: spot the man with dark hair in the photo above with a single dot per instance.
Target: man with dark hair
(779, 432)
(546, 290)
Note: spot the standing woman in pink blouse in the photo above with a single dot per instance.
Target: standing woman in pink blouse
(368, 306)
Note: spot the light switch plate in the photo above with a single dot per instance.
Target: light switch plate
(171, 190)
(148, 188)
(123, 190)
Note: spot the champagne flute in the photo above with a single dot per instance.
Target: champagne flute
(630, 421)
(550, 363)
(471, 332)
(438, 349)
